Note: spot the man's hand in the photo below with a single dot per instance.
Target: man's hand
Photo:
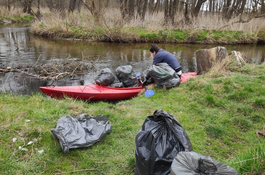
(144, 83)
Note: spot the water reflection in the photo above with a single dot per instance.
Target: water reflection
(19, 48)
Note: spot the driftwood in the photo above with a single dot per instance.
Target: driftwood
(52, 71)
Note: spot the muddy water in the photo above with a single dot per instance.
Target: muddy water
(19, 48)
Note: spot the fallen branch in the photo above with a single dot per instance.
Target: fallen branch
(52, 71)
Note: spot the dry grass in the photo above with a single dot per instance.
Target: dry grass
(220, 68)
(12, 12)
(112, 18)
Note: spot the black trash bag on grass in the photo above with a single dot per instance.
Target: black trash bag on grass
(82, 131)
(158, 142)
(192, 163)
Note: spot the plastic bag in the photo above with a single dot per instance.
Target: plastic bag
(158, 142)
(192, 163)
(123, 72)
(105, 77)
(82, 131)
(164, 75)
(125, 75)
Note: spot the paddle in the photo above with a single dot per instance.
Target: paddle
(148, 92)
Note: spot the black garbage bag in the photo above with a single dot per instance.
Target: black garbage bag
(125, 75)
(158, 142)
(192, 163)
(124, 72)
(105, 77)
(82, 131)
(164, 75)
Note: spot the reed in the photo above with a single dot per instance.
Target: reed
(206, 28)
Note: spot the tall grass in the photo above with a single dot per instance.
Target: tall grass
(114, 28)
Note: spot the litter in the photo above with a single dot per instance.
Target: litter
(82, 131)
(158, 142)
(193, 163)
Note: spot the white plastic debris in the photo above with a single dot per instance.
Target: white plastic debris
(14, 139)
(23, 149)
(41, 151)
(30, 143)
(27, 120)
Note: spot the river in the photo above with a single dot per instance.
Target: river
(20, 48)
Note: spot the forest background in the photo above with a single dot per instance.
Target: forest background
(178, 21)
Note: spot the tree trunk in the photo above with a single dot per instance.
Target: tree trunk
(38, 11)
(96, 8)
(197, 8)
(72, 5)
(27, 6)
(144, 10)
(211, 7)
(262, 8)
(166, 13)
(173, 10)
(157, 6)
(241, 9)
(131, 9)
(50, 5)
(151, 7)
(8, 5)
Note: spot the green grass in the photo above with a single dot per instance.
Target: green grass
(219, 114)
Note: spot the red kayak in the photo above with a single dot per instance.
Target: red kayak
(95, 92)
(186, 76)
(92, 92)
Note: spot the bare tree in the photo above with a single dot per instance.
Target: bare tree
(196, 6)
(127, 9)
(171, 7)
(141, 8)
(50, 5)
(96, 8)
(72, 5)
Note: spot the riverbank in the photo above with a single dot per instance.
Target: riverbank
(139, 35)
(205, 29)
(81, 26)
(220, 112)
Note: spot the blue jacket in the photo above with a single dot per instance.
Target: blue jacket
(163, 56)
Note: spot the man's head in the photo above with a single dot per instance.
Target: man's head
(154, 49)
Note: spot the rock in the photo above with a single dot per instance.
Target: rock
(206, 58)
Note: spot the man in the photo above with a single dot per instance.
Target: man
(163, 56)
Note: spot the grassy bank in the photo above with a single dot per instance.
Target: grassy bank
(219, 111)
(206, 29)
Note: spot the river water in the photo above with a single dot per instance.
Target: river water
(20, 48)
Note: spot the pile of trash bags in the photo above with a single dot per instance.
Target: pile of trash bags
(82, 131)
(162, 147)
(125, 77)
(161, 74)
(158, 142)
